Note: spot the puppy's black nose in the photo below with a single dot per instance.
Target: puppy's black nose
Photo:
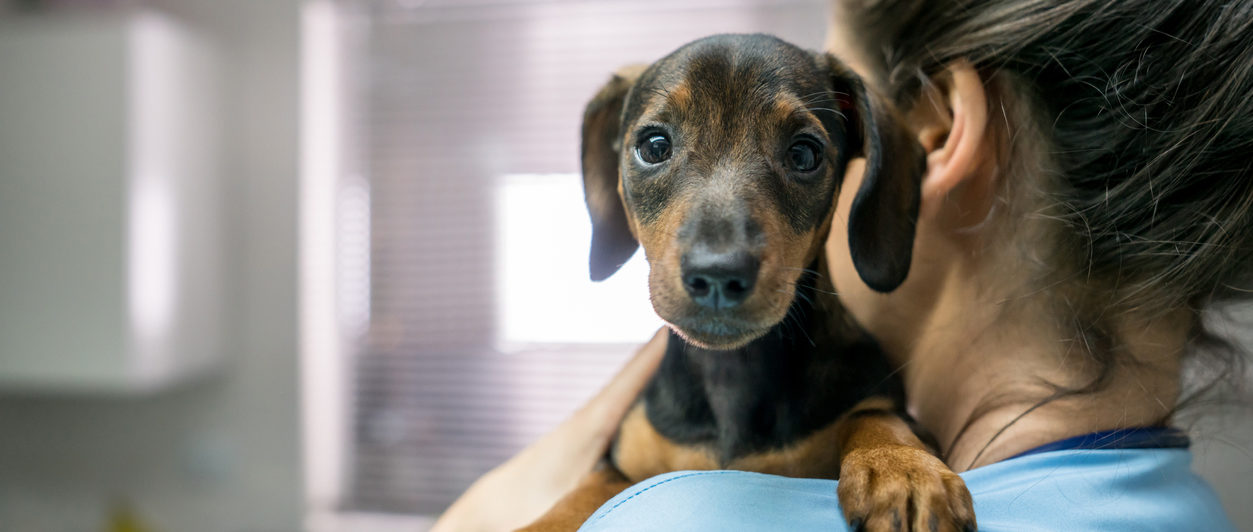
(719, 280)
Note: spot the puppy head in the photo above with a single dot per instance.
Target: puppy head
(723, 160)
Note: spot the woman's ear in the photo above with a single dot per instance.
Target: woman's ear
(953, 132)
(883, 218)
(612, 241)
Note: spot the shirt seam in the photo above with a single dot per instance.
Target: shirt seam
(651, 486)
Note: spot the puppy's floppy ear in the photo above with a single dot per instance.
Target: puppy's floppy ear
(612, 241)
(882, 220)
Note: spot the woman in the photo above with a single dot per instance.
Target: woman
(1088, 194)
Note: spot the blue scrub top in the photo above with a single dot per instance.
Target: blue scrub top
(1048, 489)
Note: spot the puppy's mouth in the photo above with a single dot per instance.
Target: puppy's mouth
(719, 331)
(717, 335)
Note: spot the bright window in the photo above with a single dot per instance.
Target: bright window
(545, 294)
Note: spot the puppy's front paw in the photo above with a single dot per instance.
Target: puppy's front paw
(900, 488)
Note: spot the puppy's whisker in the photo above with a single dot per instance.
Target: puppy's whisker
(660, 91)
(821, 291)
(818, 290)
(793, 320)
(815, 96)
(812, 285)
(802, 270)
(837, 112)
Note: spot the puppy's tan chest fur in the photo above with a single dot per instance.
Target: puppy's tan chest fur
(641, 452)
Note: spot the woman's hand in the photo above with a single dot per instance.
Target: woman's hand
(520, 490)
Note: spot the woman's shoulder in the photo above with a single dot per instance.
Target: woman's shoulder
(1116, 489)
(1109, 490)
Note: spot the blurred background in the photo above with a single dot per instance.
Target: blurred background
(314, 264)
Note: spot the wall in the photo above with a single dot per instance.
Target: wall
(221, 454)
(1222, 434)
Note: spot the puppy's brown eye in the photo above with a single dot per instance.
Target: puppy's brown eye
(653, 148)
(803, 156)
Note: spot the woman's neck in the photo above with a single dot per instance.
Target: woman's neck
(988, 379)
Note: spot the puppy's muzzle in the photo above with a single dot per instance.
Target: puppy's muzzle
(720, 255)
(719, 279)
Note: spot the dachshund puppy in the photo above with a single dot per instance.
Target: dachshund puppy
(723, 161)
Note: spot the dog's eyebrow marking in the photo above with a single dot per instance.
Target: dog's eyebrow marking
(679, 96)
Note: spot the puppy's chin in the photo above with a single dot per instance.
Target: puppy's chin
(716, 342)
(718, 337)
(722, 331)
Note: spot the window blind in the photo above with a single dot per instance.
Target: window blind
(455, 97)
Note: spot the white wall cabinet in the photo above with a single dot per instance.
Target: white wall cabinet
(109, 204)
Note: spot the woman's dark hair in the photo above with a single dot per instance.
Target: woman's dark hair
(1142, 118)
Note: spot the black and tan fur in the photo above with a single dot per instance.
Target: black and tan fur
(769, 374)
